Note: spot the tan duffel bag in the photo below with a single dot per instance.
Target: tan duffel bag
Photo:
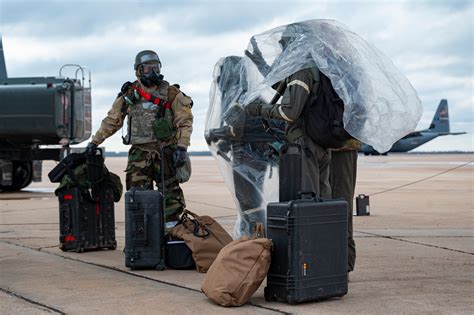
(204, 237)
(238, 270)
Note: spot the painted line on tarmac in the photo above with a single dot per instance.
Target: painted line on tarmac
(128, 273)
(417, 243)
(21, 297)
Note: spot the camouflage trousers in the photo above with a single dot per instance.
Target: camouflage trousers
(144, 168)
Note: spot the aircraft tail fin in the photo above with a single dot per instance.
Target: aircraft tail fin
(3, 68)
(440, 122)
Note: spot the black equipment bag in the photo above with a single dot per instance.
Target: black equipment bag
(290, 171)
(177, 254)
(86, 224)
(69, 162)
(309, 258)
(323, 116)
(144, 234)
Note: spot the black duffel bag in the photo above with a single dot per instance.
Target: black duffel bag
(177, 254)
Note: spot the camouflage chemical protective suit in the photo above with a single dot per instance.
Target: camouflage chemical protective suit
(144, 158)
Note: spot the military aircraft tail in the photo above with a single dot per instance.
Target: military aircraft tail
(440, 122)
(3, 68)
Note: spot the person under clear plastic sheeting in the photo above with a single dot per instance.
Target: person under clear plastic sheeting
(380, 104)
(302, 89)
(242, 143)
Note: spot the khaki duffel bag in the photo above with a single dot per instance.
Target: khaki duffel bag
(204, 237)
(238, 270)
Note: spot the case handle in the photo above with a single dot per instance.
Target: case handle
(301, 194)
(145, 228)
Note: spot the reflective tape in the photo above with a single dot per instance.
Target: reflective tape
(300, 83)
(280, 110)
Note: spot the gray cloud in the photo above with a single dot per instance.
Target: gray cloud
(431, 41)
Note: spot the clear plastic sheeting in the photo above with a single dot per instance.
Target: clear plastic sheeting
(246, 153)
(381, 106)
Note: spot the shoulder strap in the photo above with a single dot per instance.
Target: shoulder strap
(187, 212)
(316, 74)
(258, 231)
(279, 92)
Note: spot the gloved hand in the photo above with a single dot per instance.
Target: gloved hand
(179, 157)
(126, 87)
(253, 109)
(91, 148)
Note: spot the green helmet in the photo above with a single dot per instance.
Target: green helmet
(146, 56)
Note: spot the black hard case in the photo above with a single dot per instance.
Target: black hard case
(362, 205)
(309, 258)
(86, 224)
(144, 240)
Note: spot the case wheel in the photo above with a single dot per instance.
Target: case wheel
(160, 267)
(269, 297)
(79, 249)
(62, 248)
(112, 247)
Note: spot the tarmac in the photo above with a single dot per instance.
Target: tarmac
(414, 252)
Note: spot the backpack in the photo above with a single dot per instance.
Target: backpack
(323, 116)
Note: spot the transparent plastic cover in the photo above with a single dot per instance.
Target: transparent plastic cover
(380, 105)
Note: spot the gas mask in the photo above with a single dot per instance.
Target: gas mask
(150, 74)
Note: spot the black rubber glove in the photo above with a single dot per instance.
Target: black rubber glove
(91, 148)
(253, 109)
(126, 87)
(179, 157)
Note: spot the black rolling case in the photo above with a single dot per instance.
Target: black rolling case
(86, 224)
(309, 258)
(144, 241)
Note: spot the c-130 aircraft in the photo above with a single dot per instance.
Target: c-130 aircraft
(439, 127)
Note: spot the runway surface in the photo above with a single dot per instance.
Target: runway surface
(415, 252)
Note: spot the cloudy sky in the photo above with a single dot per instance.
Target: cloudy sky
(430, 41)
